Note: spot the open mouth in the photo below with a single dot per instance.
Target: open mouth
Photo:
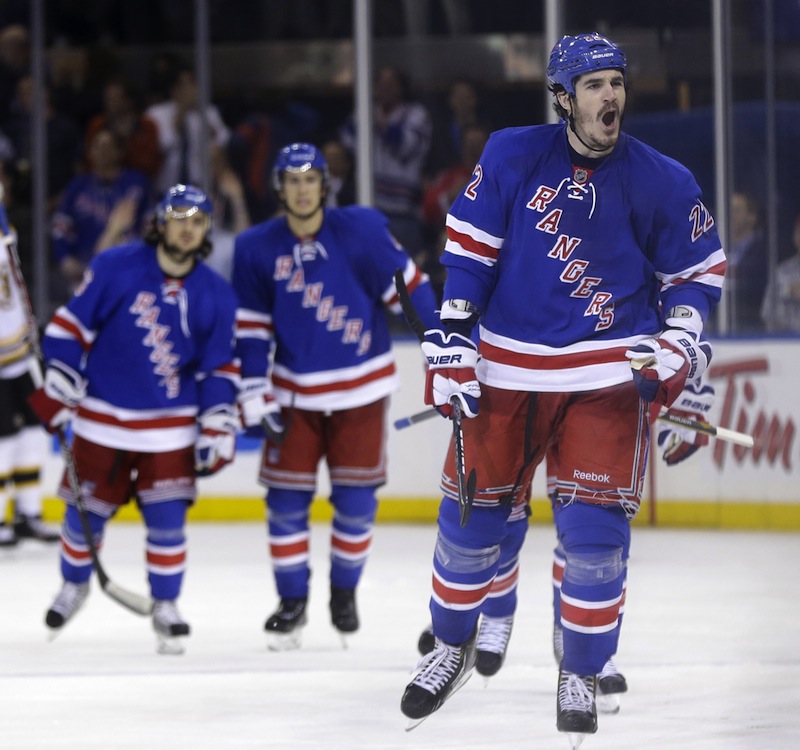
(609, 118)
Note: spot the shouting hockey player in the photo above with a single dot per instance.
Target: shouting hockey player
(567, 244)
(314, 285)
(141, 360)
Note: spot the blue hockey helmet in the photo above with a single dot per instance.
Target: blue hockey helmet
(182, 201)
(573, 56)
(299, 157)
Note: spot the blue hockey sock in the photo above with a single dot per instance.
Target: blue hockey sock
(289, 540)
(166, 547)
(351, 533)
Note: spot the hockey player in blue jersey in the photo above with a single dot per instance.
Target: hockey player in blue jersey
(141, 361)
(317, 372)
(565, 247)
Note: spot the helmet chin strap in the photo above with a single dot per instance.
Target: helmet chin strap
(571, 121)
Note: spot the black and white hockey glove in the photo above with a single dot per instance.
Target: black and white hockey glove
(451, 372)
(216, 443)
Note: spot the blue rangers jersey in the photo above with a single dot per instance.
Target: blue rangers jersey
(156, 351)
(322, 303)
(570, 267)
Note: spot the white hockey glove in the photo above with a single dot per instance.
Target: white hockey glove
(55, 402)
(662, 366)
(216, 443)
(451, 372)
(679, 443)
(260, 412)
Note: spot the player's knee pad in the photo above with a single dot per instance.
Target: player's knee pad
(163, 519)
(592, 567)
(463, 559)
(287, 510)
(354, 507)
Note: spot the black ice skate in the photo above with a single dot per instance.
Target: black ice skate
(69, 600)
(493, 636)
(32, 527)
(611, 684)
(286, 624)
(438, 675)
(344, 615)
(427, 641)
(169, 627)
(576, 714)
(8, 537)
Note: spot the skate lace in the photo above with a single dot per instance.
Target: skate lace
(494, 634)
(609, 670)
(438, 667)
(166, 613)
(575, 693)
(70, 597)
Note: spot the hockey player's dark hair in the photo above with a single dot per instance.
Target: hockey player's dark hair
(153, 234)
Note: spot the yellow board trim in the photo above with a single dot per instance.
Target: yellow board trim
(696, 515)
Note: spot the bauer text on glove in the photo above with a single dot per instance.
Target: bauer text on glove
(451, 372)
(679, 443)
(661, 366)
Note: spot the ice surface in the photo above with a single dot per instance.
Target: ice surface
(710, 648)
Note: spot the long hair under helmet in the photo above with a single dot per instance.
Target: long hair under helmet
(179, 202)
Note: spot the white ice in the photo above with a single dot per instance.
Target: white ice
(710, 647)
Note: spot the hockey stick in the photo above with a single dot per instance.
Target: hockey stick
(142, 605)
(466, 487)
(721, 433)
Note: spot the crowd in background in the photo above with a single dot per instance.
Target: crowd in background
(116, 144)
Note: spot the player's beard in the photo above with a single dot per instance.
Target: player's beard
(589, 129)
(181, 256)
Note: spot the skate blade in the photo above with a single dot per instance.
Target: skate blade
(344, 639)
(170, 646)
(575, 739)
(284, 641)
(608, 703)
(414, 723)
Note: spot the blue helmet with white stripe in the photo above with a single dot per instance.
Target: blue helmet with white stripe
(299, 157)
(182, 201)
(572, 56)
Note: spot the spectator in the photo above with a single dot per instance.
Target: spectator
(451, 181)
(747, 264)
(448, 130)
(781, 309)
(402, 133)
(230, 212)
(100, 208)
(136, 132)
(180, 129)
(63, 142)
(15, 62)
(341, 181)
